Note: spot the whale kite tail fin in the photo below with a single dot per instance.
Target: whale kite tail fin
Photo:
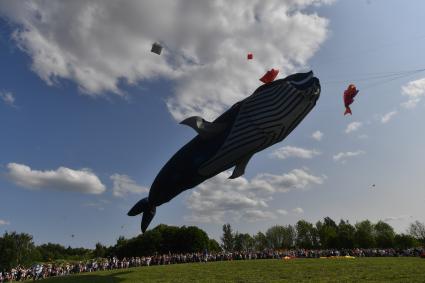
(148, 210)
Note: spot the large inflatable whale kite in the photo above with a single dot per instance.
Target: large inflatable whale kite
(266, 117)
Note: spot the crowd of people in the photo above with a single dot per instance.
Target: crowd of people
(41, 271)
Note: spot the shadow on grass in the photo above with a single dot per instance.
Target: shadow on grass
(95, 277)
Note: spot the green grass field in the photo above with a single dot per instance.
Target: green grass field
(295, 270)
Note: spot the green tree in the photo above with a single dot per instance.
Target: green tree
(228, 239)
(345, 235)
(384, 235)
(289, 237)
(327, 233)
(243, 242)
(198, 240)
(403, 241)
(281, 237)
(364, 236)
(417, 230)
(214, 246)
(172, 238)
(100, 250)
(260, 241)
(17, 249)
(306, 235)
(274, 237)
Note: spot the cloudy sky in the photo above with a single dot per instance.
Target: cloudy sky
(88, 115)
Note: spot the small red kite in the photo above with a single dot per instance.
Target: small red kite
(349, 95)
(250, 56)
(269, 76)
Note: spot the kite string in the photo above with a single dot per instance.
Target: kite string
(387, 75)
(391, 79)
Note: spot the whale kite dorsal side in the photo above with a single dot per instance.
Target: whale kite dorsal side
(240, 167)
(204, 128)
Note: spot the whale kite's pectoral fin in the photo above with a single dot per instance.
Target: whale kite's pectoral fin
(204, 128)
(240, 167)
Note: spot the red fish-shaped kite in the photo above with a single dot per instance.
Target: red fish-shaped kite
(269, 76)
(349, 95)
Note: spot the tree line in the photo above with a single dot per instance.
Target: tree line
(19, 248)
(325, 234)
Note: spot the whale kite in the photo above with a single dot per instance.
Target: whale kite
(264, 118)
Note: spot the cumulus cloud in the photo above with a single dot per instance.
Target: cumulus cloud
(4, 222)
(387, 117)
(317, 135)
(101, 44)
(124, 185)
(7, 98)
(397, 218)
(343, 156)
(298, 210)
(352, 127)
(61, 179)
(292, 151)
(99, 205)
(414, 91)
(282, 212)
(257, 215)
(219, 198)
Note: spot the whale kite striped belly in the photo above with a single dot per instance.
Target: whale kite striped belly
(264, 118)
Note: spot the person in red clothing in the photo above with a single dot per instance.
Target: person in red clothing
(349, 95)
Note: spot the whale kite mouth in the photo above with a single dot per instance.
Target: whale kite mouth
(304, 81)
(301, 79)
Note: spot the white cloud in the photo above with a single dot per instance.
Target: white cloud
(124, 185)
(298, 210)
(4, 222)
(292, 151)
(95, 205)
(415, 91)
(100, 44)
(258, 215)
(343, 156)
(61, 179)
(219, 198)
(282, 212)
(296, 179)
(8, 98)
(352, 127)
(387, 117)
(99, 204)
(397, 218)
(317, 135)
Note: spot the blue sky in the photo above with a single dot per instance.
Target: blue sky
(82, 92)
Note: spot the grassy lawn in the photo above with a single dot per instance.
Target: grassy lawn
(296, 270)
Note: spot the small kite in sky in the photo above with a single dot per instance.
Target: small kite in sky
(349, 95)
(269, 76)
(250, 56)
(156, 48)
